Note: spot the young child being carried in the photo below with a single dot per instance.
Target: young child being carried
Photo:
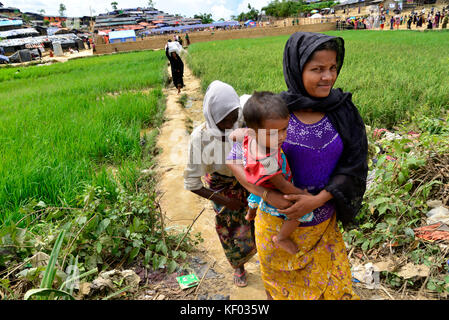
(265, 164)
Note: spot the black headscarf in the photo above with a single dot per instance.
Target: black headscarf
(348, 181)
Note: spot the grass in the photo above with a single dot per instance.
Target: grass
(392, 74)
(64, 125)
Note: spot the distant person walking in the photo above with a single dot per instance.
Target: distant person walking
(176, 64)
(409, 22)
(187, 39)
(419, 22)
(429, 23)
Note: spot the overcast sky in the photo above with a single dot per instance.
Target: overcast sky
(218, 8)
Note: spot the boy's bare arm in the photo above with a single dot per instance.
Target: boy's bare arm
(285, 186)
(238, 134)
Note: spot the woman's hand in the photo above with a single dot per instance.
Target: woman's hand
(302, 204)
(277, 200)
(305, 203)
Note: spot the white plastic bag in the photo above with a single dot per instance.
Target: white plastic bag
(175, 46)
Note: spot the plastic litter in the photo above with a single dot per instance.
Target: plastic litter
(188, 281)
(433, 232)
(438, 214)
(367, 275)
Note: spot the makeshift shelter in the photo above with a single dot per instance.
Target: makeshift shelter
(184, 28)
(250, 23)
(8, 24)
(316, 16)
(18, 33)
(21, 56)
(4, 59)
(122, 36)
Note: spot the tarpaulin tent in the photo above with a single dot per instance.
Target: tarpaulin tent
(10, 23)
(21, 56)
(4, 59)
(250, 23)
(52, 31)
(17, 33)
(225, 23)
(193, 26)
(36, 40)
(122, 36)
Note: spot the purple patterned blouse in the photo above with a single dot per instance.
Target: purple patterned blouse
(312, 152)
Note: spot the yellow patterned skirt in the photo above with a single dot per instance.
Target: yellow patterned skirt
(320, 270)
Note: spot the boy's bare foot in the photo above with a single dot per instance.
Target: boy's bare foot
(286, 244)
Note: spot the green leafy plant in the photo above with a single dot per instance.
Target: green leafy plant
(46, 291)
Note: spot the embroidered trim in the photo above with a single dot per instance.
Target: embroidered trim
(313, 148)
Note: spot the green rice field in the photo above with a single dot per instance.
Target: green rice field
(63, 126)
(392, 75)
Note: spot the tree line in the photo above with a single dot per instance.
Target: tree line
(284, 9)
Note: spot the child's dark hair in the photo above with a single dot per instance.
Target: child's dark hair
(262, 106)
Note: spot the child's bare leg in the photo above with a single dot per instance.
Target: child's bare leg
(251, 214)
(283, 240)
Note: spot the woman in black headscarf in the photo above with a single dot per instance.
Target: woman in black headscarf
(348, 180)
(326, 148)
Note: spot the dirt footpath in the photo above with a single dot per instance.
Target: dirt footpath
(181, 207)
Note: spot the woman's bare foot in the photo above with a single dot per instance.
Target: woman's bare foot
(240, 277)
(286, 244)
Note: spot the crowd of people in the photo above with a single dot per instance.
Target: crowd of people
(419, 19)
(280, 169)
